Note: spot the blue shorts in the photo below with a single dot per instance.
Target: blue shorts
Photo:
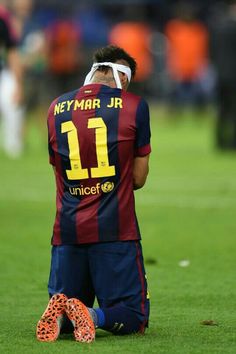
(113, 272)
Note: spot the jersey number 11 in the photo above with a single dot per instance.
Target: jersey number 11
(103, 168)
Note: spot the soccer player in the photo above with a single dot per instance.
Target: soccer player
(99, 146)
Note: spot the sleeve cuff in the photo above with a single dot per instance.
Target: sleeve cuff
(143, 151)
(52, 160)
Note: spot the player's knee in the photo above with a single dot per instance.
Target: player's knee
(131, 326)
(122, 320)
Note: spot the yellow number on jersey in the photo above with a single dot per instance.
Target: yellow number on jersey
(103, 168)
(76, 172)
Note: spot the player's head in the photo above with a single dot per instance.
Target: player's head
(116, 69)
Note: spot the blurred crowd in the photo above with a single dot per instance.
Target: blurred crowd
(185, 51)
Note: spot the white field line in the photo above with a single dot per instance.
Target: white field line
(190, 201)
(26, 195)
(183, 184)
(186, 199)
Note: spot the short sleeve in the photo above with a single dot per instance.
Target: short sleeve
(51, 154)
(143, 131)
(51, 134)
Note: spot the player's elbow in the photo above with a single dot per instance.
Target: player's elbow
(140, 171)
(139, 179)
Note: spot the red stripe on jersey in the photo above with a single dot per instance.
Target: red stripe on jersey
(59, 179)
(126, 137)
(87, 214)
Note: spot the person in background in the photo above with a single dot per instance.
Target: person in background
(63, 55)
(32, 49)
(11, 86)
(135, 37)
(99, 146)
(187, 56)
(223, 56)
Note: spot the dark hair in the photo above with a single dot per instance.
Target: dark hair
(112, 53)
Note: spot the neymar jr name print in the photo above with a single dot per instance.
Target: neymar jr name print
(85, 104)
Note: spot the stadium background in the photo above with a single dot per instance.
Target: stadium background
(186, 210)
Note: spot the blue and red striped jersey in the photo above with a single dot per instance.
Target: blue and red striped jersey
(95, 133)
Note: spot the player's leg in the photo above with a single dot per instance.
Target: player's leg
(69, 275)
(120, 286)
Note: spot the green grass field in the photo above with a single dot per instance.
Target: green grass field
(186, 212)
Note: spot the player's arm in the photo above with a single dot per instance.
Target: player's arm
(142, 146)
(140, 171)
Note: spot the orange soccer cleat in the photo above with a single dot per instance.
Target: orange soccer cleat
(48, 327)
(84, 329)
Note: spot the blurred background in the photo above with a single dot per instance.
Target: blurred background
(185, 50)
